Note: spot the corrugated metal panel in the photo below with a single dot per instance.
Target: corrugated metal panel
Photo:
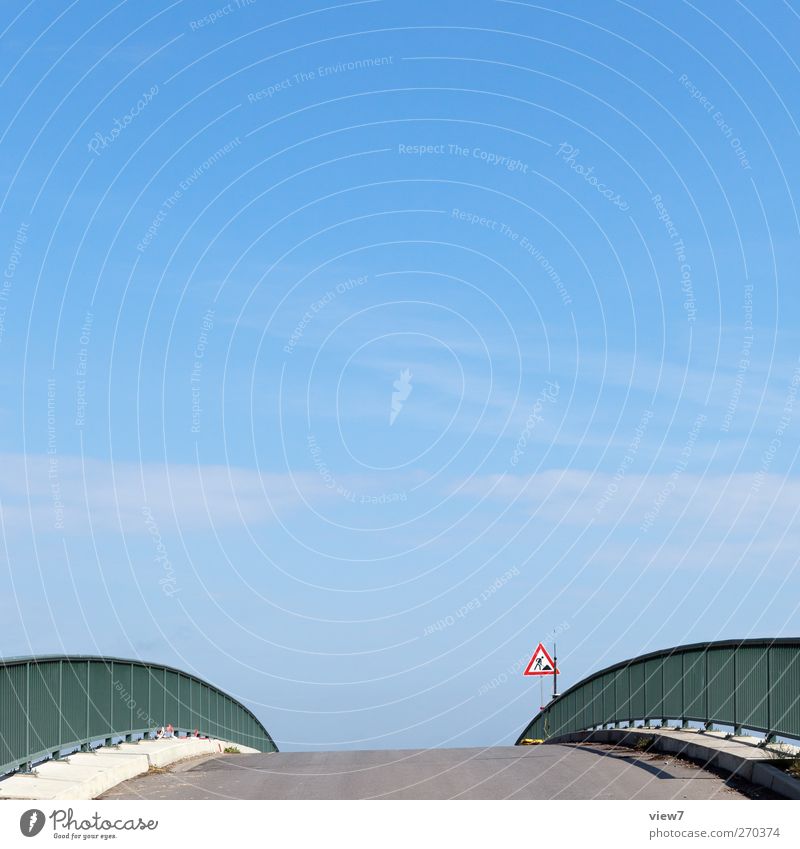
(101, 684)
(622, 694)
(721, 685)
(122, 701)
(653, 688)
(196, 719)
(43, 706)
(597, 700)
(694, 685)
(637, 691)
(784, 668)
(673, 686)
(585, 707)
(205, 711)
(571, 713)
(608, 697)
(13, 698)
(140, 690)
(751, 687)
(74, 700)
(171, 697)
(184, 708)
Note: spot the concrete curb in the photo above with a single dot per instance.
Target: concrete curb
(740, 757)
(86, 775)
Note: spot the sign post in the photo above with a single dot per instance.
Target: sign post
(555, 670)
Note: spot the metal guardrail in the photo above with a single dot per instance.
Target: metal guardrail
(753, 684)
(56, 703)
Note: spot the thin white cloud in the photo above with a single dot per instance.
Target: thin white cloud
(746, 503)
(50, 492)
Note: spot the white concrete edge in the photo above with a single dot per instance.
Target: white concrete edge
(741, 758)
(86, 775)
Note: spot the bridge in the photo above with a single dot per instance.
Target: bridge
(741, 684)
(54, 704)
(607, 736)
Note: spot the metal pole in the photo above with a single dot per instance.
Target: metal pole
(555, 670)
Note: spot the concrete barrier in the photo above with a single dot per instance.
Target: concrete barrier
(741, 757)
(86, 775)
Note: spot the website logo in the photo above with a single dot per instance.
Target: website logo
(31, 822)
(402, 389)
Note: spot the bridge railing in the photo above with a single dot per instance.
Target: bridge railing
(752, 684)
(55, 703)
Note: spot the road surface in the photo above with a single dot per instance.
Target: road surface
(512, 772)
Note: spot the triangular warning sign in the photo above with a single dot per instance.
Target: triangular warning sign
(541, 663)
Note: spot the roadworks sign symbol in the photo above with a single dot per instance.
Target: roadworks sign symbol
(541, 663)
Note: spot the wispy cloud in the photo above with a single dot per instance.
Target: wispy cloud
(67, 492)
(746, 504)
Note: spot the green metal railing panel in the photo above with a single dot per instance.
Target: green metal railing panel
(751, 690)
(597, 701)
(694, 685)
(74, 711)
(121, 695)
(637, 701)
(13, 698)
(748, 683)
(184, 708)
(622, 693)
(196, 702)
(586, 706)
(43, 697)
(50, 704)
(608, 697)
(101, 685)
(672, 684)
(721, 686)
(784, 703)
(140, 696)
(171, 693)
(653, 688)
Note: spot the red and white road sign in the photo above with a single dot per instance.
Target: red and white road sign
(541, 663)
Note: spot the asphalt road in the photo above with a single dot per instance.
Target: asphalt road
(536, 772)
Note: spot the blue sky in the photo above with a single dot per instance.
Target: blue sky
(350, 350)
